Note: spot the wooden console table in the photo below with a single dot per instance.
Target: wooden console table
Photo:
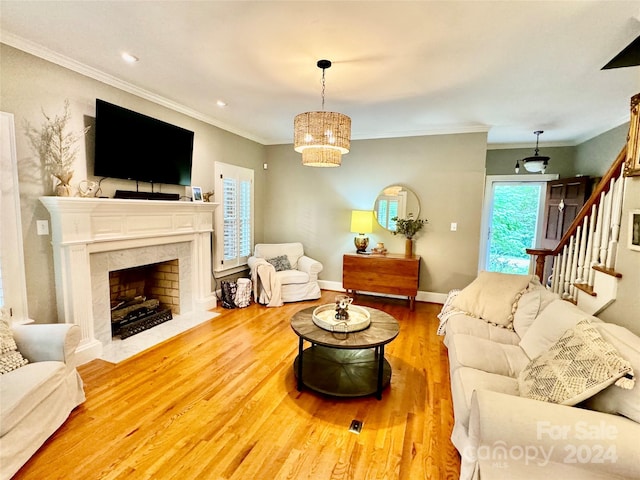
(391, 273)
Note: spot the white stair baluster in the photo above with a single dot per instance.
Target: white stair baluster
(555, 275)
(615, 223)
(567, 270)
(582, 252)
(563, 269)
(574, 263)
(597, 237)
(606, 225)
(589, 250)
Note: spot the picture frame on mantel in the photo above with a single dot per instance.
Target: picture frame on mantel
(634, 230)
(196, 194)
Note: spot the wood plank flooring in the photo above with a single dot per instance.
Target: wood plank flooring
(220, 402)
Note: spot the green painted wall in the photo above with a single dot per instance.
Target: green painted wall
(596, 155)
(502, 161)
(445, 171)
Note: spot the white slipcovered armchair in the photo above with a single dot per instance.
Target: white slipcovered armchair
(281, 272)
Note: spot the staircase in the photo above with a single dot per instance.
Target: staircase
(583, 263)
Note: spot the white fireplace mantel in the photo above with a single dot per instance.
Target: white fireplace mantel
(85, 226)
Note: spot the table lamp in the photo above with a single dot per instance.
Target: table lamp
(361, 223)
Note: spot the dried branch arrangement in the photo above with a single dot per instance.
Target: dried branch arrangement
(56, 148)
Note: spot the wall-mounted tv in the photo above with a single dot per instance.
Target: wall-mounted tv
(133, 146)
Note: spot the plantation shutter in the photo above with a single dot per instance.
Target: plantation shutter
(234, 218)
(230, 208)
(245, 219)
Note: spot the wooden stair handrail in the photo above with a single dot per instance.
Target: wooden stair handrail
(603, 187)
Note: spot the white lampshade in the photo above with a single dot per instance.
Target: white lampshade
(535, 165)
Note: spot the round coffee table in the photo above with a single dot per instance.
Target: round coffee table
(344, 364)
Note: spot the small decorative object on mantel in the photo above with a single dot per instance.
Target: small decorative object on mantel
(87, 188)
(196, 194)
(408, 227)
(56, 148)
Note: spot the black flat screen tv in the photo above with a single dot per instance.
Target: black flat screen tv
(133, 146)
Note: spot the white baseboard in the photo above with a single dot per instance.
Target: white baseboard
(207, 303)
(430, 297)
(88, 350)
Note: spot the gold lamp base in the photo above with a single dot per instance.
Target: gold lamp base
(361, 244)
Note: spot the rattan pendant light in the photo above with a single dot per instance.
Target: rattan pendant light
(322, 137)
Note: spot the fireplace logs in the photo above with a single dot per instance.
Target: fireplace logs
(131, 316)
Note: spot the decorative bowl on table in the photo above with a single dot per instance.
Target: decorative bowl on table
(358, 318)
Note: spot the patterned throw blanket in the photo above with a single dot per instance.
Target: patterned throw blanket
(447, 311)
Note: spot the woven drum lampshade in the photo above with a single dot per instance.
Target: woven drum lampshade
(322, 138)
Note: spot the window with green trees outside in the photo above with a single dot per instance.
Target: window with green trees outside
(513, 226)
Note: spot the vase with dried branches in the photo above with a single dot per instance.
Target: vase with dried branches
(408, 227)
(56, 147)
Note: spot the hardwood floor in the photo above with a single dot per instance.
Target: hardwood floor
(220, 402)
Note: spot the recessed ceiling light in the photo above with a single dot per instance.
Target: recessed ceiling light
(127, 57)
(221, 103)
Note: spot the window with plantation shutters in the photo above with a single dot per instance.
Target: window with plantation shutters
(234, 218)
(230, 218)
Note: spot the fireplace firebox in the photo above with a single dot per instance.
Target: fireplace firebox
(143, 297)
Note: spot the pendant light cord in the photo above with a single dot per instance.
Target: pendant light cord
(323, 89)
(538, 132)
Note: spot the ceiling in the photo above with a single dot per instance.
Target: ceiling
(399, 68)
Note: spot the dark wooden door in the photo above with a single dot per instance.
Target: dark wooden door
(564, 200)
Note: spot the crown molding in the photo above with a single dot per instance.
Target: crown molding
(528, 145)
(83, 69)
(444, 130)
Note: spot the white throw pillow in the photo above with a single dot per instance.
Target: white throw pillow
(10, 357)
(579, 365)
(553, 321)
(492, 296)
(612, 399)
(530, 305)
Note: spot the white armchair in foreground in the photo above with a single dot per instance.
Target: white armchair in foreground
(281, 272)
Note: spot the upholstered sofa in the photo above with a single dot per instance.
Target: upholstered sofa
(36, 398)
(540, 389)
(282, 273)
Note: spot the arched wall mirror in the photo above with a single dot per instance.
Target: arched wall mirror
(395, 201)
